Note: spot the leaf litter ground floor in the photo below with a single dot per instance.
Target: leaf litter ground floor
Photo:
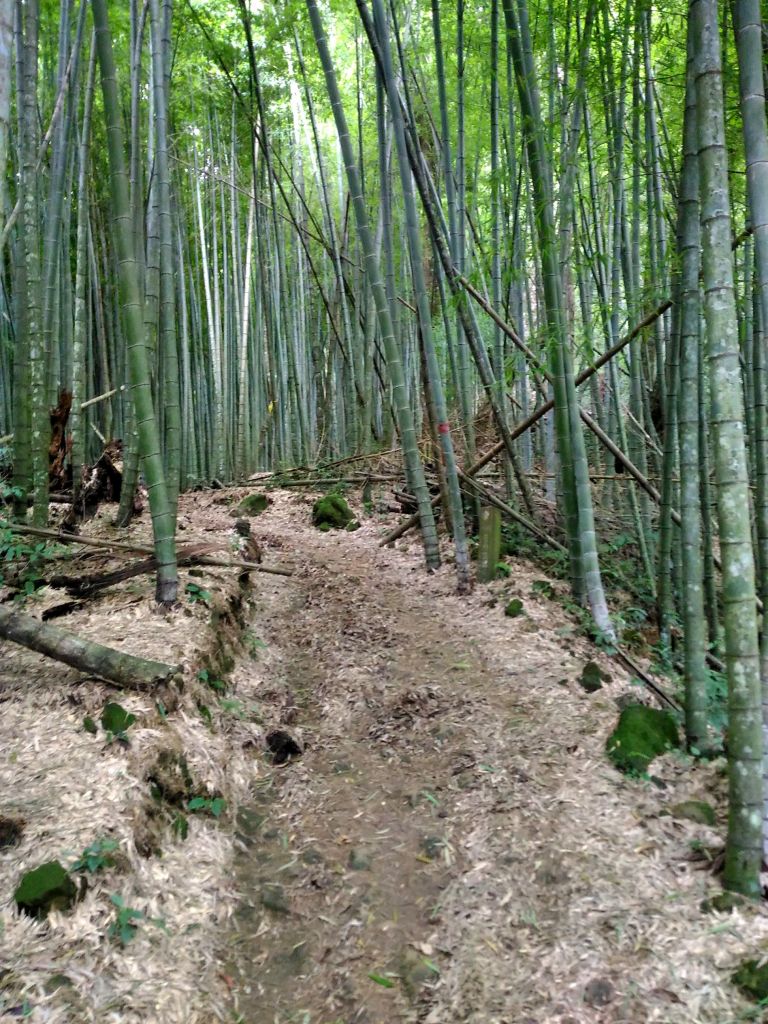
(452, 845)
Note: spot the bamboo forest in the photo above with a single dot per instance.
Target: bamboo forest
(383, 511)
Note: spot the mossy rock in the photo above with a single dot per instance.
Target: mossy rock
(752, 978)
(514, 608)
(331, 513)
(722, 903)
(359, 860)
(641, 735)
(253, 505)
(273, 898)
(43, 889)
(415, 973)
(694, 810)
(592, 677)
(432, 846)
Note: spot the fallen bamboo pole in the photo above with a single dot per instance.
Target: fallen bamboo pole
(139, 549)
(85, 655)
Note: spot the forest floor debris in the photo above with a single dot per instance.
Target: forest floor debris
(74, 788)
(445, 842)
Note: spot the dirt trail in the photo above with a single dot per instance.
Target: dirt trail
(453, 828)
(354, 837)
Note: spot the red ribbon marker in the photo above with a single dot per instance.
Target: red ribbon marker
(443, 428)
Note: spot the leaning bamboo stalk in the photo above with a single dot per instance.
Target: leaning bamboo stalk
(494, 499)
(541, 410)
(373, 272)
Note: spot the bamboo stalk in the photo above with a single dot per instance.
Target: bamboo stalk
(85, 655)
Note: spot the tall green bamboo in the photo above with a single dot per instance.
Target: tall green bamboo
(373, 272)
(161, 46)
(39, 430)
(744, 843)
(22, 408)
(572, 451)
(422, 305)
(141, 391)
(749, 27)
(689, 244)
(77, 421)
(6, 76)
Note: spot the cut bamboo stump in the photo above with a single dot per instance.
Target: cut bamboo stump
(85, 655)
(489, 545)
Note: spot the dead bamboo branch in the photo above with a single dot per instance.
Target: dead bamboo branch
(542, 409)
(101, 398)
(651, 684)
(139, 549)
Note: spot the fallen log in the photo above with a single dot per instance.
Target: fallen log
(141, 549)
(88, 586)
(85, 655)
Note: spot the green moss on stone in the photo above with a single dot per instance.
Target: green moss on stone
(722, 902)
(43, 889)
(253, 505)
(752, 978)
(331, 513)
(514, 608)
(592, 677)
(641, 735)
(694, 810)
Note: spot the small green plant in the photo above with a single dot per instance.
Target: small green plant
(127, 920)
(97, 856)
(196, 593)
(215, 684)
(116, 722)
(213, 805)
(543, 587)
(180, 826)
(602, 640)
(381, 979)
(26, 560)
(233, 707)
(253, 644)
